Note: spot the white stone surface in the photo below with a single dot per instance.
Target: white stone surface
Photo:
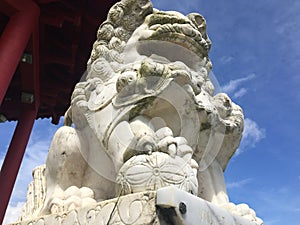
(135, 209)
(36, 194)
(150, 172)
(191, 210)
(145, 117)
(168, 205)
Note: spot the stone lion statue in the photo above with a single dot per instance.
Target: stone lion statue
(145, 115)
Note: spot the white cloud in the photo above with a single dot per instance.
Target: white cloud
(35, 155)
(253, 131)
(251, 136)
(13, 213)
(226, 59)
(287, 21)
(234, 85)
(240, 93)
(271, 222)
(239, 184)
(278, 205)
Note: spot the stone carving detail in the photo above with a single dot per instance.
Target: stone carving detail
(156, 171)
(146, 208)
(145, 116)
(137, 209)
(72, 198)
(36, 194)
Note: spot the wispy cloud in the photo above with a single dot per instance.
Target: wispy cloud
(271, 222)
(286, 23)
(240, 93)
(277, 205)
(13, 213)
(253, 132)
(239, 184)
(226, 59)
(233, 86)
(251, 136)
(35, 155)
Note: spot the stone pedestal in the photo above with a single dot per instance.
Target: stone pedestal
(162, 207)
(178, 207)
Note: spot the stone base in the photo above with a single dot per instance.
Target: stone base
(166, 206)
(186, 209)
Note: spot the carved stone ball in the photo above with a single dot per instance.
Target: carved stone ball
(151, 172)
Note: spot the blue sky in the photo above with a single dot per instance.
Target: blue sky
(256, 60)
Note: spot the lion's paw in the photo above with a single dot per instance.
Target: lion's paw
(244, 211)
(175, 146)
(72, 198)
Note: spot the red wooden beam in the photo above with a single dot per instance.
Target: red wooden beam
(14, 38)
(58, 17)
(30, 82)
(47, 1)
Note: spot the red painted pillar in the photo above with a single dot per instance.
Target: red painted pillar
(24, 20)
(13, 158)
(14, 39)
